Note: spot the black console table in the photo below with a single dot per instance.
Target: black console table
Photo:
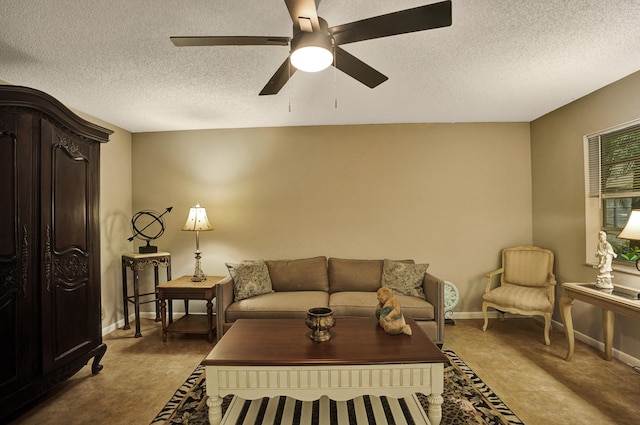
(137, 263)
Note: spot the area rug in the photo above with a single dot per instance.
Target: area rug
(467, 400)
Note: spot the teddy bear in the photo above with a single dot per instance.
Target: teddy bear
(389, 313)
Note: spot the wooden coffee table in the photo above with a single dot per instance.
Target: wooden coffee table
(274, 357)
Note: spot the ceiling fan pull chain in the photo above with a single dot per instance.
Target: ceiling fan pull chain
(335, 79)
(289, 88)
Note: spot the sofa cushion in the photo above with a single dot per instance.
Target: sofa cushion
(355, 275)
(307, 274)
(353, 303)
(403, 278)
(416, 308)
(363, 304)
(277, 305)
(250, 278)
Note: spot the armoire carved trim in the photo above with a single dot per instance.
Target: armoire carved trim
(49, 246)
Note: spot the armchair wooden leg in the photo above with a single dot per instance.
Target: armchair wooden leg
(547, 327)
(486, 317)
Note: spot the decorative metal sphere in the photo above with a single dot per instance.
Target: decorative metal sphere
(147, 225)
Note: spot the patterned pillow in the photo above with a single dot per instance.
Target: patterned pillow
(250, 278)
(404, 278)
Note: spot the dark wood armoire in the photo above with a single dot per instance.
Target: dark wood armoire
(50, 311)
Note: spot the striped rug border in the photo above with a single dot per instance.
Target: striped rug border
(368, 410)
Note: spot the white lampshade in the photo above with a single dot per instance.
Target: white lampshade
(632, 228)
(312, 51)
(311, 58)
(197, 219)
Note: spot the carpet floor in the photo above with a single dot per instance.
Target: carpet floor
(467, 400)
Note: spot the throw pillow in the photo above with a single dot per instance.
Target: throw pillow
(404, 278)
(250, 278)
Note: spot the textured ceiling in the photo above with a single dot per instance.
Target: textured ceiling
(501, 60)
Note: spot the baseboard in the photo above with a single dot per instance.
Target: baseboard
(132, 320)
(478, 315)
(112, 327)
(617, 354)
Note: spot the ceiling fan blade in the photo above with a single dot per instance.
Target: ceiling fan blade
(357, 69)
(303, 14)
(279, 79)
(420, 18)
(230, 41)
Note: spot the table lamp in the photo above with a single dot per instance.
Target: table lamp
(631, 230)
(197, 221)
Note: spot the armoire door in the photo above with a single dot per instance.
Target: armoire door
(18, 330)
(69, 290)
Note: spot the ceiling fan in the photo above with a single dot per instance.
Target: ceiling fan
(313, 40)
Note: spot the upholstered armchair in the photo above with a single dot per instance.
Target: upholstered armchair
(527, 285)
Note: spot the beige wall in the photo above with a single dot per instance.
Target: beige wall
(558, 195)
(451, 195)
(115, 216)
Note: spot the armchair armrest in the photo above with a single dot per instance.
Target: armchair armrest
(552, 287)
(490, 277)
(434, 291)
(224, 298)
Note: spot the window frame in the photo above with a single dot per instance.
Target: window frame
(595, 198)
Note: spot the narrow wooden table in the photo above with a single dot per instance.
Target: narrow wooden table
(184, 289)
(273, 357)
(137, 263)
(609, 302)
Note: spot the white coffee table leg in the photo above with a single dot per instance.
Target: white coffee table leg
(434, 413)
(215, 409)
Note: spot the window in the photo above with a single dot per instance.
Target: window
(614, 178)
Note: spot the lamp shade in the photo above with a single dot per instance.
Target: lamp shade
(197, 220)
(312, 51)
(311, 58)
(632, 228)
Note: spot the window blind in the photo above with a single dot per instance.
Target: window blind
(614, 162)
(594, 166)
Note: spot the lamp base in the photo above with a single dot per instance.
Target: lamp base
(198, 278)
(198, 275)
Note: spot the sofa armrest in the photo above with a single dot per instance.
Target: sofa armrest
(224, 298)
(434, 290)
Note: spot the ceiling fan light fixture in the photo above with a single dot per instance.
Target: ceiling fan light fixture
(311, 51)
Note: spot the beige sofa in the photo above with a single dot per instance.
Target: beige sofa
(345, 285)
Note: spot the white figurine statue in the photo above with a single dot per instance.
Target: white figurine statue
(606, 255)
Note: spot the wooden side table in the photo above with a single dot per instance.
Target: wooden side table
(608, 300)
(184, 289)
(137, 263)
